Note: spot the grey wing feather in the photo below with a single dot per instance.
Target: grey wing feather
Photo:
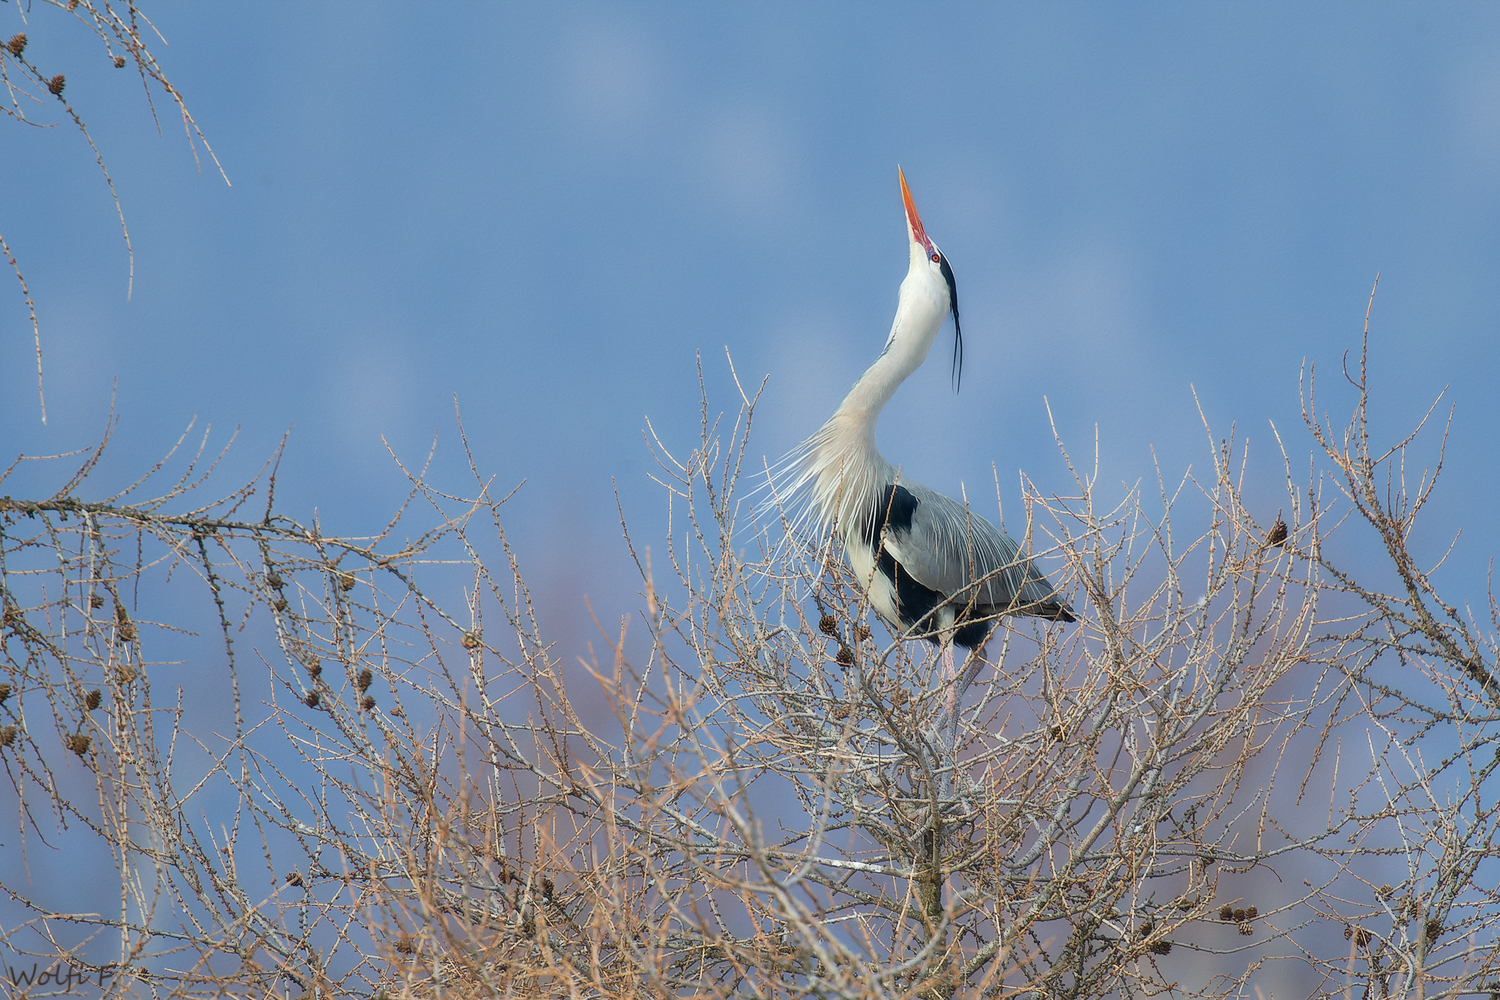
(949, 547)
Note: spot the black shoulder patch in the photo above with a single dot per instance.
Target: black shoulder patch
(897, 505)
(895, 510)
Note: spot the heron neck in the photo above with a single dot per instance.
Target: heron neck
(844, 461)
(862, 406)
(879, 383)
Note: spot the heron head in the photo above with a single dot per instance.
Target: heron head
(930, 267)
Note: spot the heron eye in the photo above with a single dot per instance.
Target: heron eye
(936, 257)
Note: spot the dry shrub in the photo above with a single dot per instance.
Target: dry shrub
(410, 800)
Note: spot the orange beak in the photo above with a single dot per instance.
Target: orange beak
(912, 218)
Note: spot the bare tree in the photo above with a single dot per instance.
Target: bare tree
(1244, 762)
(1414, 686)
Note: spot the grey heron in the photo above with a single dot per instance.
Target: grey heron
(929, 565)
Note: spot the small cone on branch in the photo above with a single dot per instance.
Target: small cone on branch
(1278, 534)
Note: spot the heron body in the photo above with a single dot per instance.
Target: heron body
(929, 564)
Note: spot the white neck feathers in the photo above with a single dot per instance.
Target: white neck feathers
(841, 464)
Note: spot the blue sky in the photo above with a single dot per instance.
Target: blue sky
(548, 211)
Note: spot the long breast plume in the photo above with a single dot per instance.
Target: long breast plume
(833, 479)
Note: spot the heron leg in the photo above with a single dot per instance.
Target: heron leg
(953, 696)
(958, 683)
(978, 657)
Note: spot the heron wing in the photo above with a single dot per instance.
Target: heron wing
(949, 548)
